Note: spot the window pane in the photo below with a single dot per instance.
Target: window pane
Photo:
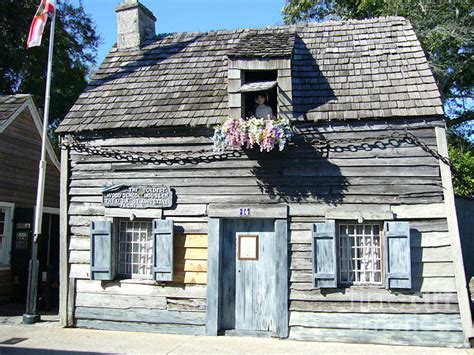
(135, 249)
(360, 254)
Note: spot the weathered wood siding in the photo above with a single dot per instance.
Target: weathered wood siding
(313, 179)
(140, 307)
(20, 149)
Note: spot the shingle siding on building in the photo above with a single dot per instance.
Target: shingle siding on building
(20, 149)
(340, 70)
(9, 104)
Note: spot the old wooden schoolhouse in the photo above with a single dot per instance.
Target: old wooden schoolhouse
(348, 233)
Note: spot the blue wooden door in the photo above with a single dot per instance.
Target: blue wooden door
(254, 272)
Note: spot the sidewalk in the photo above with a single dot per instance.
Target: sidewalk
(49, 338)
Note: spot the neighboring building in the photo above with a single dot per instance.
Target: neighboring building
(465, 211)
(349, 234)
(20, 149)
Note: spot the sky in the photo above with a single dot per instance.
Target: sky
(186, 16)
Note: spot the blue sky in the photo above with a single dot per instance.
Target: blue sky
(187, 15)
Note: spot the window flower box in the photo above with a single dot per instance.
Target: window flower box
(267, 134)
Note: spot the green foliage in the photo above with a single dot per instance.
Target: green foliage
(461, 153)
(445, 29)
(24, 71)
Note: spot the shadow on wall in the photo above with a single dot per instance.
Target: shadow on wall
(310, 87)
(300, 173)
(303, 172)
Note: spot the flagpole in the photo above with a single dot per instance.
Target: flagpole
(31, 315)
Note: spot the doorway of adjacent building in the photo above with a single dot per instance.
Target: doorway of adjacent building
(13, 306)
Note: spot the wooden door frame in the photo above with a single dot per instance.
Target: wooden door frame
(215, 239)
(9, 227)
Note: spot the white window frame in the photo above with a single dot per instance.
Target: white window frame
(8, 230)
(119, 265)
(356, 282)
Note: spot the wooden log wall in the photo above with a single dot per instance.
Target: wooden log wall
(379, 174)
(140, 306)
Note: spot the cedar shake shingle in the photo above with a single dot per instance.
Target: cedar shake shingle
(340, 70)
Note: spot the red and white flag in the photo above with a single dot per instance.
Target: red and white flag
(37, 26)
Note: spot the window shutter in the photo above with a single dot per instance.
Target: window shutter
(397, 251)
(101, 250)
(324, 255)
(163, 250)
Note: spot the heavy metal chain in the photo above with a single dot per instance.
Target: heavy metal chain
(157, 157)
(394, 138)
(160, 157)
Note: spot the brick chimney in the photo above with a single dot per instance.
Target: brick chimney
(135, 24)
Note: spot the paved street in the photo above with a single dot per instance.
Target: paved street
(49, 338)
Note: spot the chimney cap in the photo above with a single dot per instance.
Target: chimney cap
(130, 4)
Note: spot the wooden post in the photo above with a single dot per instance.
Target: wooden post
(460, 276)
(63, 239)
(213, 272)
(281, 285)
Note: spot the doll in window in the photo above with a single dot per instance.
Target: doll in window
(262, 110)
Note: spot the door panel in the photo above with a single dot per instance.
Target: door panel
(254, 279)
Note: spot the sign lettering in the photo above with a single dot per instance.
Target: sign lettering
(137, 197)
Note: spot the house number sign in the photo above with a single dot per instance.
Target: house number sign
(137, 197)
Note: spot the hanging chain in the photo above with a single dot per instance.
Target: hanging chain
(159, 157)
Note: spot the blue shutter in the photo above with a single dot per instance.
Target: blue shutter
(324, 255)
(101, 250)
(163, 250)
(397, 251)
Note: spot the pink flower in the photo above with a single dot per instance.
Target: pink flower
(235, 130)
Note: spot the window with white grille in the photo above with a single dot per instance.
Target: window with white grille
(360, 254)
(135, 249)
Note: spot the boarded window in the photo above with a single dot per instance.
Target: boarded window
(360, 254)
(190, 259)
(135, 249)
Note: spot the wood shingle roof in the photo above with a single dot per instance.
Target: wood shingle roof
(340, 70)
(9, 104)
(257, 44)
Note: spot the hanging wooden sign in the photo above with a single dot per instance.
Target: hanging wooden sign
(137, 197)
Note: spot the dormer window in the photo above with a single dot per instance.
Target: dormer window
(259, 83)
(260, 63)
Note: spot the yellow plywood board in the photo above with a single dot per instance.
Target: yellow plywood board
(190, 254)
(190, 278)
(191, 240)
(191, 265)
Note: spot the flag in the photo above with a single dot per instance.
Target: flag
(37, 26)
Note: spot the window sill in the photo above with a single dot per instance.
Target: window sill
(137, 281)
(5, 267)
